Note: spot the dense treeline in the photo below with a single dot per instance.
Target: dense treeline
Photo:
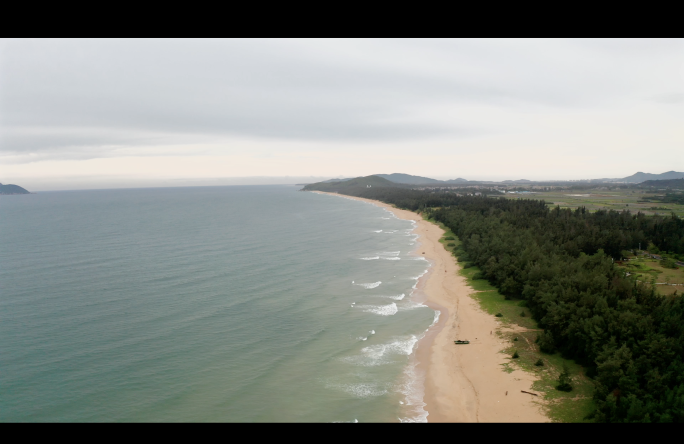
(629, 338)
(660, 184)
(577, 231)
(676, 198)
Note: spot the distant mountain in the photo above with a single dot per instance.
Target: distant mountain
(359, 182)
(408, 179)
(418, 180)
(12, 189)
(404, 179)
(642, 177)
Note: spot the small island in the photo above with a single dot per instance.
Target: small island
(12, 189)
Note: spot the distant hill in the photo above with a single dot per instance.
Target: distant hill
(337, 180)
(643, 177)
(418, 180)
(389, 180)
(359, 182)
(12, 189)
(408, 179)
(672, 183)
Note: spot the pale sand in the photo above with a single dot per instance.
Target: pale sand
(463, 383)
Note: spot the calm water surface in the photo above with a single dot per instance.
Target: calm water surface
(254, 303)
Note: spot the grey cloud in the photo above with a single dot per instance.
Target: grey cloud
(161, 88)
(296, 90)
(670, 98)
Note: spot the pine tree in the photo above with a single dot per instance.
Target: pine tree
(564, 380)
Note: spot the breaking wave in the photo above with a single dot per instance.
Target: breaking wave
(411, 305)
(397, 347)
(369, 286)
(413, 390)
(365, 338)
(362, 389)
(382, 310)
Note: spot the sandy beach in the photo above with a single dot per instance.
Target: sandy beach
(463, 383)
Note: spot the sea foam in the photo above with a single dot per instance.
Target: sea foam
(382, 310)
(413, 390)
(396, 347)
(436, 318)
(365, 338)
(420, 275)
(364, 390)
(371, 285)
(411, 305)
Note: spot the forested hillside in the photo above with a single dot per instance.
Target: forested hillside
(351, 184)
(629, 338)
(12, 189)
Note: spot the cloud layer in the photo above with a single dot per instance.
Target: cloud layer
(76, 100)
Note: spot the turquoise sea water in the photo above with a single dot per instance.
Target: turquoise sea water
(207, 304)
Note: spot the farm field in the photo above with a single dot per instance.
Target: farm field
(598, 199)
(667, 280)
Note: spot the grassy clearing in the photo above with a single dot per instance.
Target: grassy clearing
(634, 200)
(561, 406)
(649, 270)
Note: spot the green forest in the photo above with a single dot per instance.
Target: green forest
(628, 337)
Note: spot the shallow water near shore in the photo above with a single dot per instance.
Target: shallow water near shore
(243, 303)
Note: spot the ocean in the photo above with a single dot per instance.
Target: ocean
(230, 304)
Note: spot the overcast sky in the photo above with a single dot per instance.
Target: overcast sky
(100, 113)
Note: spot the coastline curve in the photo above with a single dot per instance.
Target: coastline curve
(461, 384)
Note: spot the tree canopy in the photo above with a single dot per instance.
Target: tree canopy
(560, 261)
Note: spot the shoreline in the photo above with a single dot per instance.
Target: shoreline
(463, 383)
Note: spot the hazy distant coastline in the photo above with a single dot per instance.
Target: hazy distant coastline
(8, 190)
